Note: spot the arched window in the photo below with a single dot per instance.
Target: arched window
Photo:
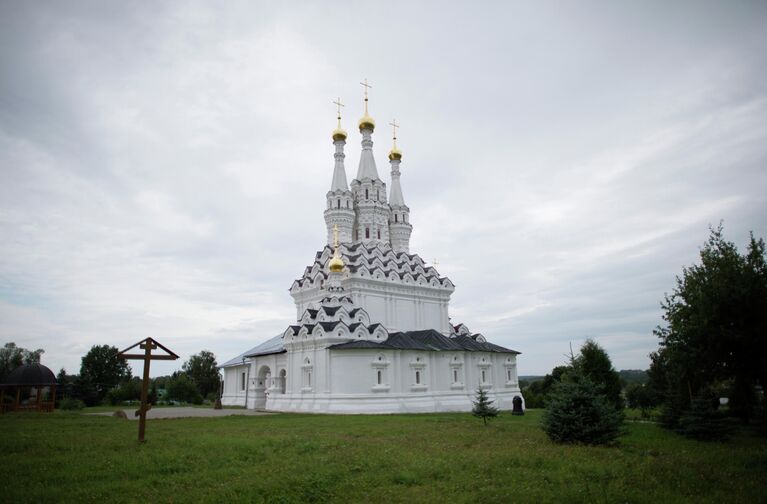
(417, 377)
(455, 376)
(395, 218)
(379, 233)
(366, 194)
(483, 376)
(338, 203)
(367, 232)
(347, 203)
(379, 377)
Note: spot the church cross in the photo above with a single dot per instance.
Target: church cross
(338, 102)
(394, 127)
(435, 262)
(147, 356)
(366, 86)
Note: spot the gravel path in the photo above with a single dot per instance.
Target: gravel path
(184, 412)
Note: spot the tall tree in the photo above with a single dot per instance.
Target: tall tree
(203, 370)
(716, 321)
(12, 356)
(595, 364)
(101, 370)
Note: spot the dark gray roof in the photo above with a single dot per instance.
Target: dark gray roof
(270, 346)
(425, 340)
(30, 374)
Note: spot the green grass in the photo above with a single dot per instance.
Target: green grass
(70, 457)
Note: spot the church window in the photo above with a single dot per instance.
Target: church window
(378, 195)
(242, 387)
(395, 218)
(366, 194)
(508, 374)
(338, 203)
(347, 203)
(309, 381)
(379, 234)
(483, 376)
(417, 377)
(367, 232)
(379, 377)
(455, 376)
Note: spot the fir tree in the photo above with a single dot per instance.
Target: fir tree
(483, 406)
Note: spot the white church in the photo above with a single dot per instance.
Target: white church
(372, 332)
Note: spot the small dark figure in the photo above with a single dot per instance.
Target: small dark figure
(517, 406)
(120, 414)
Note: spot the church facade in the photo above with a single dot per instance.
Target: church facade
(372, 332)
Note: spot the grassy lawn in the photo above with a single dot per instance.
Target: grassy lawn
(70, 457)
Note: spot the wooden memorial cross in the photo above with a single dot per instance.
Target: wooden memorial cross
(147, 345)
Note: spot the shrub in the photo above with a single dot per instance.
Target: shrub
(578, 413)
(483, 407)
(70, 404)
(703, 422)
(182, 388)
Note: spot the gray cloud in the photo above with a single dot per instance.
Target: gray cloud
(164, 169)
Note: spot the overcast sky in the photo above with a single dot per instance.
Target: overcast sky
(164, 164)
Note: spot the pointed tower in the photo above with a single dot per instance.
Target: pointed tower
(399, 218)
(340, 206)
(372, 211)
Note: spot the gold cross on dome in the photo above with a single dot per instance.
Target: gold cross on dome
(366, 86)
(394, 127)
(338, 102)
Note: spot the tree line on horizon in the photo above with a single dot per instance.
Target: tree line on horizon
(104, 378)
(712, 345)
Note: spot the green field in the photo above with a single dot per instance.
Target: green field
(71, 457)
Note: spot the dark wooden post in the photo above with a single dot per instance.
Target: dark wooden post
(147, 345)
(2, 400)
(18, 399)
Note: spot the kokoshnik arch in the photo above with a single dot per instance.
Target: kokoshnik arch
(372, 331)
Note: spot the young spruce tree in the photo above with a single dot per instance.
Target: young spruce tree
(483, 406)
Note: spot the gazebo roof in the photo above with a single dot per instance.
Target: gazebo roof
(30, 374)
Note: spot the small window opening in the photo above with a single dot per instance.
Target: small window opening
(366, 194)
(379, 377)
(417, 377)
(243, 382)
(395, 218)
(367, 232)
(347, 203)
(338, 203)
(483, 376)
(379, 234)
(455, 376)
(508, 374)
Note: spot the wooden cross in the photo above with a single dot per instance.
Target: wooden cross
(147, 345)
(394, 127)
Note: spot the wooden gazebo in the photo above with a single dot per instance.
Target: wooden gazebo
(28, 376)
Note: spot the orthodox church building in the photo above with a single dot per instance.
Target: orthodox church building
(372, 332)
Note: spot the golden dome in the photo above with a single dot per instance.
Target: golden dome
(339, 134)
(336, 264)
(367, 122)
(395, 153)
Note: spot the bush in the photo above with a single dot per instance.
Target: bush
(578, 413)
(483, 407)
(703, 422)
(182, 388)
(70, 404)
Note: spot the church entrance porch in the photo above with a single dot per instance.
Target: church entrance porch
(263, 384)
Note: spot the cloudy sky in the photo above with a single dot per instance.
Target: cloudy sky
(164, 164)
